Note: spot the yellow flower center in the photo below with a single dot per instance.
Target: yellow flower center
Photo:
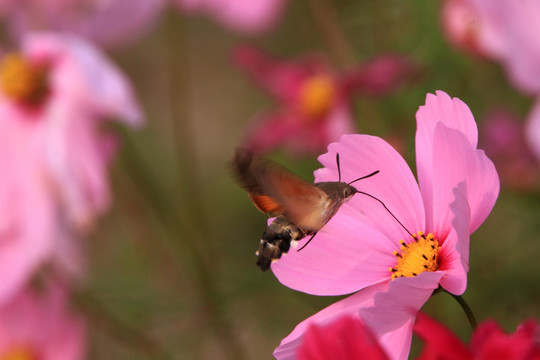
(19, 353)
(417, 256)
(317, 96)
(21, 80)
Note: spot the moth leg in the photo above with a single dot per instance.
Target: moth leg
(311, 238)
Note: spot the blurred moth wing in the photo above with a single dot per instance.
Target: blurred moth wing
(275, 191)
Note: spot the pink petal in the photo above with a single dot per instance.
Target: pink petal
(454, 253)
(441, 110)
(93, 19)
(532, 130)
(519, 25)
(394, 185)
(391, 317)
(281, 78)
(310, 137)
(348, 306)
(77, 162)
(249, 17)
(26, 213)
(81, 72)
(345, 256)
(455, 162)
(381, 75)
(455, 114)
(43, 322)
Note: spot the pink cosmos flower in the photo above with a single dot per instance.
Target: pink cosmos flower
(54, 95)
(244, 16)
(505, 143)
(38, 325)
(364, 247)
(489, 341)
(504, 30)
(93, 19)
(314, 100)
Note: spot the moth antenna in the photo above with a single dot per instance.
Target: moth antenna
(387, 209)
(365, 177)
(338, 169)
(311, 238)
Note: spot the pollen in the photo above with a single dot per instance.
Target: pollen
(317, 96)
(18, 353)
(417, 256)
(22, 81)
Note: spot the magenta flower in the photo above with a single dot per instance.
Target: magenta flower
(244, 16)
(505, 143)
(313, 99)
(489, 341)
(364, 247)
(38, 325)
(345, 338)
(54, 95)
(94, 19)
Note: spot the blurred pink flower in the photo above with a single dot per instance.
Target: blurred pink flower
(489, 341)
(97, 20)
(314, 100)
(239, 15)
(505, 143)
(532, 129)
(361, 247)
(39, 325)
(54, 96)
(505, 30)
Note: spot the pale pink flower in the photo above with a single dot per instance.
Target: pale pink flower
(364, 247)
(39, 325)
(107, 22)
(239, 15)
(505, 30)
(313, 99)
(54, 96)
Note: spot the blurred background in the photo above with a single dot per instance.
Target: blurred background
(172, 266)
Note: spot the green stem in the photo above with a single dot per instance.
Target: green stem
(181, 238)
(466, 308)
(187, 166)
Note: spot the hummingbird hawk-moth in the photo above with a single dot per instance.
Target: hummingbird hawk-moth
(301, 208)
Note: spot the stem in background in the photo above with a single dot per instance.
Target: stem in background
(466, 308)
(132, 337)
(181, 238)
(187, 166)
(326, 20)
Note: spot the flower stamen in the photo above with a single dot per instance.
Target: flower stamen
(18, 353)
(317, 96)
(417, 256)
(22, 81)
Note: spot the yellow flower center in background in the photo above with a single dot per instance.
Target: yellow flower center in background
(22, 81)
(417, 256)
(317, 96)
(19, 353)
